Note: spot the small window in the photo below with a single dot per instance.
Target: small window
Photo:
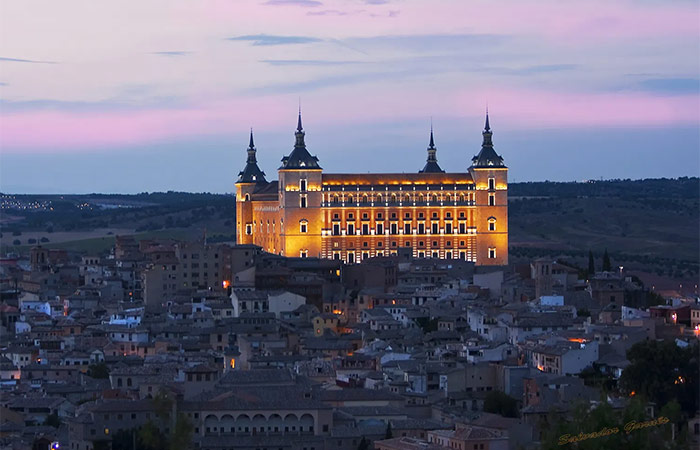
(492, 224)
(303, 253)
(302, 201)
(492, 184)
(249, 229)
(492, 199)
(492, 252)
(302, 185)
(303, 226)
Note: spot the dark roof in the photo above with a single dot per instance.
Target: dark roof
(300, 158)
(251, 173)
(487, 157)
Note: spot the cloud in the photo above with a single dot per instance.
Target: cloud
(2, 83)
(671, 85)
(328, 12)
(267, 39)
(376, 2)
(302, 3)
(27, 61)
(171, 53)
(307, 62)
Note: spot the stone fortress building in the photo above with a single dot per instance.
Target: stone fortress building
(350, 217)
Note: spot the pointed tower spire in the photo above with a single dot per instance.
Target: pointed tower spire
(487, 156)
(300, 156)
(431, 166)
(251, 173)
(299, 127)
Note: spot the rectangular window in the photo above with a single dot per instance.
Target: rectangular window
(394, 228)
(365, 229)
(336, 229)
(249, 229)
(351, 258)
(492, 184)
(303, 227)
(302, 185)
(492, 253)
(303, 253)
(448, 255)
(351, 228)
(380, 228)
(462, 228)
(302, 201)
(435, 229)
(492, 225)
(492, 199)
(463, 256)
(448, 228)
(421, 228)
(407, 228)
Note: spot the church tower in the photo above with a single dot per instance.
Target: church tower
(300, 194)
(491, 179)
(249, 180)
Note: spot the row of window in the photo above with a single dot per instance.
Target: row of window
(394, 229)
(337, 200)
(351, 256)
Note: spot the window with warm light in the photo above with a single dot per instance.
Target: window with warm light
(303, 226)
(492, 224)
(303, 253)
(492, 252)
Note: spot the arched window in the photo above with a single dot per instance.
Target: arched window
(448, 198)
(461, 197)
(364, 198)
(246, 198)
(408, 198)
(379, 198)
(435, 198)
(350, 199)
(421, 199)
(336, 199)
(492, 224)
(303, 226)
(393, 198)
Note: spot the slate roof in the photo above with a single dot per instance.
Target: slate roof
(487, 157)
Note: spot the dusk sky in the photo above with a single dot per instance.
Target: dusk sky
(132, 96)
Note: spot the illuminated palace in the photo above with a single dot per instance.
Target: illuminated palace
(309, 213)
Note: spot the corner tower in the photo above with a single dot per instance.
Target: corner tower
(300, 196)
(490, 176)
(249, 180)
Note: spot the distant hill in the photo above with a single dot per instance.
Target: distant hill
(649, 224)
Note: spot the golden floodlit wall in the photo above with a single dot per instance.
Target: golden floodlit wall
(350, 217)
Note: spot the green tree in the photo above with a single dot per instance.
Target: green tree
(607, 266)
(181, 437)
(99, 370)
(499, 402)
(53, 420)
(661, 371)
(364, 444)
(591, 263)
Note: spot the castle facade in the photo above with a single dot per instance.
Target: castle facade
(350, 217)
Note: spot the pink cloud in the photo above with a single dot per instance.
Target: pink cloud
(60, 131)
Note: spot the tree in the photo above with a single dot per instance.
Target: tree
(53, 420)
(499, 402)
(388, 434)
(662, 372)
(16, 242)
(591, 263)
(364, 444)
(99, 370)
(607, 266)
(604, 420)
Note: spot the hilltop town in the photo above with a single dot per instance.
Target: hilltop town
(173, 344)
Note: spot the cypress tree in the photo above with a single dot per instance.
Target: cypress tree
(591, 263)
(607, 267)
